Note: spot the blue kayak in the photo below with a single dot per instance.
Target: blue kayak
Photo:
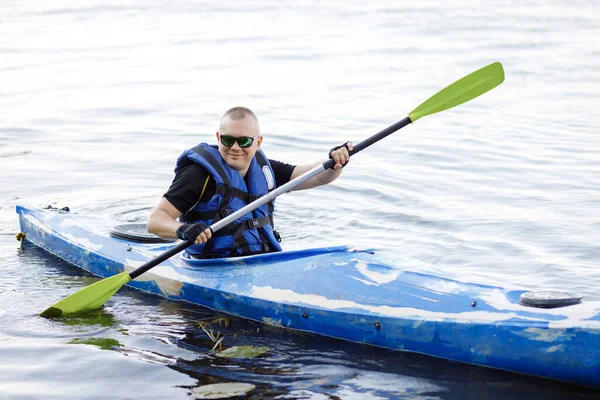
(360, 295)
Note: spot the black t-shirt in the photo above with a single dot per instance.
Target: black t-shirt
(189, 181)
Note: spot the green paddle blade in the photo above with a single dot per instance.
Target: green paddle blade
(461, 91)
(90, 297)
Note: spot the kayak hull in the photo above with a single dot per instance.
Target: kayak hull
(364, 296)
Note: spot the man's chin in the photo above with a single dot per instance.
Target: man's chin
(236, 164)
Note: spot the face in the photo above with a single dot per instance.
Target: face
(239, 158)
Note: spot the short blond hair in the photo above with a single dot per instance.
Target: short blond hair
(236, 113)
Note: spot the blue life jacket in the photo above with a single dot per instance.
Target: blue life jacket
(253, 233)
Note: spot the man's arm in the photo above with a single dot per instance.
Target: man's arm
(163, 220)
(339, 155)
(184, 192)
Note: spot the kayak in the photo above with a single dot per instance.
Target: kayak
(365, 296)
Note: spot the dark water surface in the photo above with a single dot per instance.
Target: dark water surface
(97, 99)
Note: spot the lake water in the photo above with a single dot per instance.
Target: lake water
(98, 98)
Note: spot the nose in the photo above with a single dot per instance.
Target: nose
(236, 146)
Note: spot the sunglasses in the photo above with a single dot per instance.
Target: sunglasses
(244, 141)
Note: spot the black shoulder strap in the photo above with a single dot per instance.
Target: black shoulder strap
(214, 163)
(224, 190)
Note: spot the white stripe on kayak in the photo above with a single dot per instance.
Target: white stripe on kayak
(287, 296)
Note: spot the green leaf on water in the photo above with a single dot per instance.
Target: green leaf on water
(103, 343)
(222, 390)
(242, 352)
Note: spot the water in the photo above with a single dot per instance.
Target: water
(99, 98)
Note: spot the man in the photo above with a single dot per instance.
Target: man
(212, 182)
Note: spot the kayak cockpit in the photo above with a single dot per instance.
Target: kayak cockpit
(268, 258)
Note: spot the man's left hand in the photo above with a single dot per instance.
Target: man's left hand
(341, 155)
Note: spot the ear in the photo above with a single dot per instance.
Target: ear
(217, 135)
(258, 142)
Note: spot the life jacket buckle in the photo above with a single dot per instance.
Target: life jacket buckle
(225, 211)
(277, 236)
(253, 223)
(252, 198)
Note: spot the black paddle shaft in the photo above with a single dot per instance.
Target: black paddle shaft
(375, 138)
(163, 257)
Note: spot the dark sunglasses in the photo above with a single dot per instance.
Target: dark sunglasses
(244, 141)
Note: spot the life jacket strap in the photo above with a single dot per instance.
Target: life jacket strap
(253, 223)
(213, 162)
(226, 210)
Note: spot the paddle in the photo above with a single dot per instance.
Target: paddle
(461, 91)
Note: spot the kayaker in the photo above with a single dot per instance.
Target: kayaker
(212, 182)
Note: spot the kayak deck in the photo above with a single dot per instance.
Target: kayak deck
(364, 296)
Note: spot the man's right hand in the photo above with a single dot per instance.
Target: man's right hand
(198, 232)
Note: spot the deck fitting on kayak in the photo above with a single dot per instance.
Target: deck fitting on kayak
(549, 299)
(473, 304)
(305, 315)
(377, 325)
(21, 238)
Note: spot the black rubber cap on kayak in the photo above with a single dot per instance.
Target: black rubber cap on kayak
(549, 299)
(136, 233)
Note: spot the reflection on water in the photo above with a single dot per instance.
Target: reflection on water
(103, 343)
